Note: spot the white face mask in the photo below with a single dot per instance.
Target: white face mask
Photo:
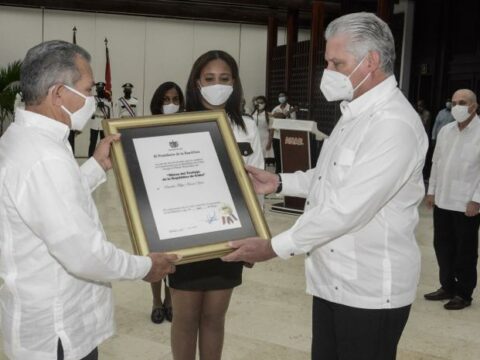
(282, 99)
(216, 94)
(460, 113)
(337, 86)
(79, 118)
(170, 108)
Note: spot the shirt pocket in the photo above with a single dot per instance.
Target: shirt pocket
(342, 257)
(460, 191)
(342, 161)
(470, 153)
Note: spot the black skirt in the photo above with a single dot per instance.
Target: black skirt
(206, 275)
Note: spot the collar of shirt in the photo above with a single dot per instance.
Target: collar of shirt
(472, 125)
(54, 128)
(352, 109)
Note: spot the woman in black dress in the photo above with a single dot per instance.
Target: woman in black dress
(201, 291)
(167, 99)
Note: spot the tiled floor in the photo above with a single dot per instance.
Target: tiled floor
(269, 316)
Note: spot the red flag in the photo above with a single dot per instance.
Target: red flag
(108, 75)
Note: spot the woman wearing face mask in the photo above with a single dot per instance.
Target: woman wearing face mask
(262, 120)
(167, 99)
(201, 291)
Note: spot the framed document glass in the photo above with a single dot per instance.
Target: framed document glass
(183, 184)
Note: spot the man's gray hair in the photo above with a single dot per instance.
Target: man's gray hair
(47, 64)
(367, 32)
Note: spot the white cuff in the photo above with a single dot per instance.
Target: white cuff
(284, 246)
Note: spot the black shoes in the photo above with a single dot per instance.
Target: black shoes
(161, 313)
(457, 303)
(440, 294)
(168, 313)
(158, 315)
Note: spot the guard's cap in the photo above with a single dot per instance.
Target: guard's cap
(100, 84)
(127, 86)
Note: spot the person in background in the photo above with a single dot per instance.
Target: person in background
(425, 115)
(127, 104)
(262, 120)
(167, 99)
(443, 118)
(201, 291)
(282, 111)
(454, 194)
(56, 263)
(103, 111)
(357, 232)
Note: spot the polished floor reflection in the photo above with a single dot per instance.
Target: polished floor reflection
(269, 316)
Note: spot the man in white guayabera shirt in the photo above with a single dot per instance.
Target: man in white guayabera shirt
(454, 193)
(357, 232)
(55, 260)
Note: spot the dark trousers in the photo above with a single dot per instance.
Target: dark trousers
(92, 356)
(278, 157)
(345, 333)
(455, 241)
(93, 140)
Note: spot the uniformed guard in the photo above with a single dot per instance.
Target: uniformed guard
(127, 104)
(103, 111)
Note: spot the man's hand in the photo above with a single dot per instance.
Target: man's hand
(430, 201)
(263, 181)
(279, 115)
(250, 250)
(162, 265)
(102, 152)
(472, 208)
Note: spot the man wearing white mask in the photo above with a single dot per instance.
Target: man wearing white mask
(56, 263)
(357, 232)
(454, 193)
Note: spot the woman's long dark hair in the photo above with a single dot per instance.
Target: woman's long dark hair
(261, 97)
(233, 106)
(156, 105)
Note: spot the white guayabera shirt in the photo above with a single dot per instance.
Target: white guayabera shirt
(357, 230)
(55, 261)
(455, 176)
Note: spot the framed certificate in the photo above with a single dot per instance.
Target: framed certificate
(183, 184)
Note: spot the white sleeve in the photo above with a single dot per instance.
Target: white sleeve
(382, 167)
(69, 230)
(93, 173)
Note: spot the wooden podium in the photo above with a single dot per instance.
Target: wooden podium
(295, 151)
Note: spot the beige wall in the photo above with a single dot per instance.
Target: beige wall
(143, 51)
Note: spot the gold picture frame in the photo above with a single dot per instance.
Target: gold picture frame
(139, 207)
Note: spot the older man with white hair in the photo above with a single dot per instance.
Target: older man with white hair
(56, 262)
(454, 193)
(357, 232)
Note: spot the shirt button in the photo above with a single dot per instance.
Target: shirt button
(292, 254)
(319, 178)
(308, 202)
(336, 287)
(335, 163)
(308, 254)
(341, 129)
(331, 250)
(388, 301)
